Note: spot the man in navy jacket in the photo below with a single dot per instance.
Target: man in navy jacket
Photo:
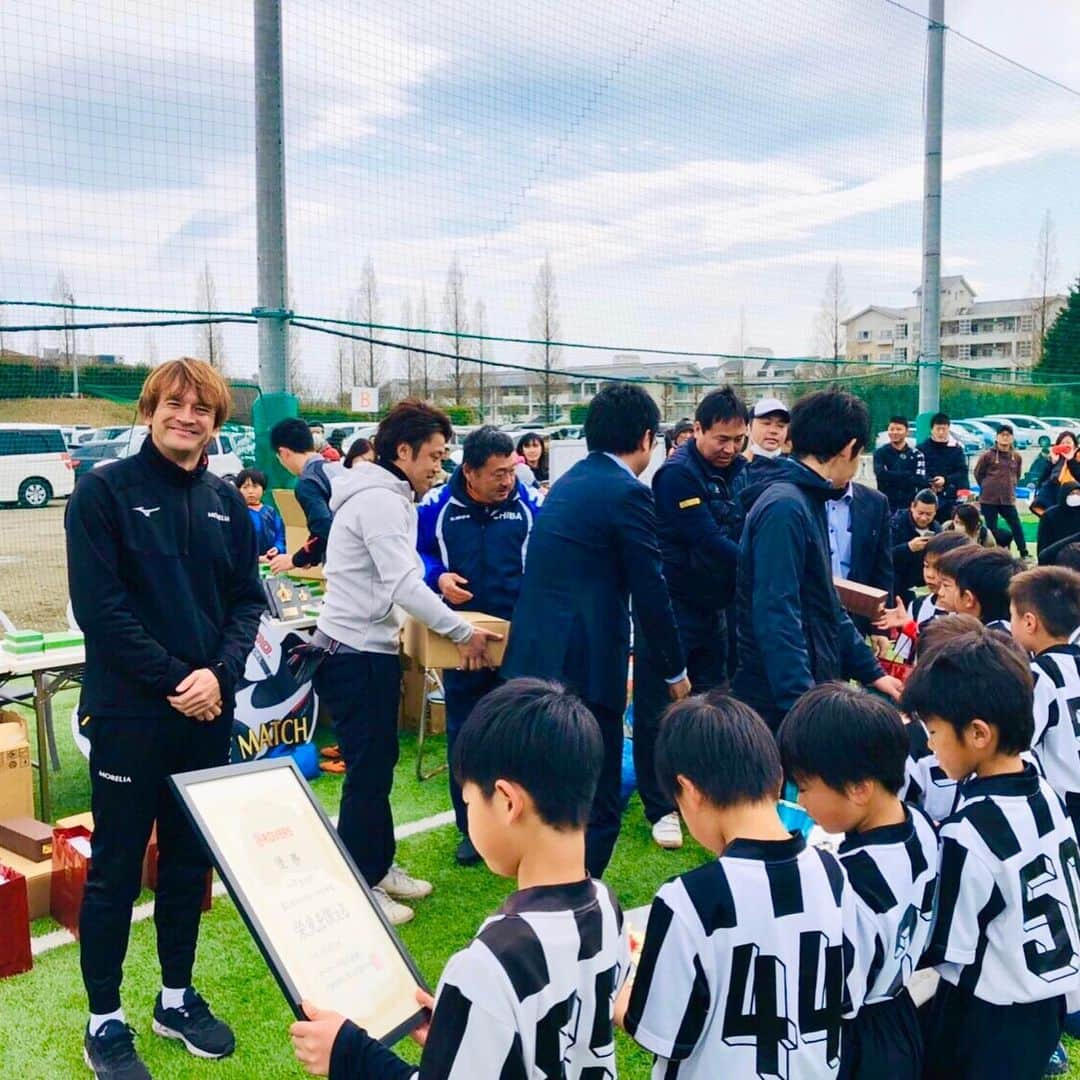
(700, 518)
(793, 633)
(473, 534)
(593, 549)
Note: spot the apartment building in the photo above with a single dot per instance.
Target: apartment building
(977, 335)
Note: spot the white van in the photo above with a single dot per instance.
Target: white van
(34, 465)
(222, 459)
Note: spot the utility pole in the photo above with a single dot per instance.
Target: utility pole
(930, 340)
(270, 197)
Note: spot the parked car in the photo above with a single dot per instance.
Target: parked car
(90, 455)
(1061, 423)
(223, 460)
(103, 433)
(1030, 427)
(75, 434)
(35, 465)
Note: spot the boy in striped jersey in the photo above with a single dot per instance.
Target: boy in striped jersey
(1005, 938)
(747, 965)
(1045, 611)
(845, 749)
(533, 993)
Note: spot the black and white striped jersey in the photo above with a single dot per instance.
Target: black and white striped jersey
(926, 609)
(926, 783)
(748, 968)
(1056, 744)
(893, 871)
(1005, 927)
(1001, 625)
(533, 993)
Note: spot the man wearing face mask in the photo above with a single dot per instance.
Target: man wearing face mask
(793, 633)
(768, 432)
(911, 532)
(699, 520)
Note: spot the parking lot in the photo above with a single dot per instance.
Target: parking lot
(33, 566)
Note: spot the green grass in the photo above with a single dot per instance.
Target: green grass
(42, 1013)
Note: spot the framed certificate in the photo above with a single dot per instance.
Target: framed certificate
(311, 913)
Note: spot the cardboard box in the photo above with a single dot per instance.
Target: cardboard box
(26, 837)
(412, 695)
(864, 600)
(38, 881)
(431, 650)
(16, 774)
(86, 820)
(15, 953)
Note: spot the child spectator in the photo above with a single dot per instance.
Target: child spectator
(269, 528)
(1005, 939)
(845, 749)
(747, 965)
(975, 581)
(1045, 613)
(552, 959)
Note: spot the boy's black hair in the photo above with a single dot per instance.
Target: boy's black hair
(937, 631)
(618, 418)
(719, 406)
(986, 575)
(483, 443)
(824, 422)
(256, 476)
(926, 497)
(940, 544)
(534, 733)
(293, 434)
(978, 675)
(412, 422)
(939, 418)
(949, 564)
(723, 746)
(1052, 593)
(1069, 556)
(844, 735)
(898, 420)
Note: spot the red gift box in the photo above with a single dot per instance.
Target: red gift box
(150, 871)
(69, 876)
(15, 954)
(896, 668)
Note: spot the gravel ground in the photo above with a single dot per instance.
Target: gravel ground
(33, 567)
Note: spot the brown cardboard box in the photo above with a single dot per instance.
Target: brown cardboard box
(436, 718)
(859, 599)
(26, 837)
(16, 779)
(412, 695)
(86, 820)
(38, 881)
(431, 650)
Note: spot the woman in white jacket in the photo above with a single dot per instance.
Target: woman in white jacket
(374, 575)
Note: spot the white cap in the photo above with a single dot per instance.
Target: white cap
(771, 405)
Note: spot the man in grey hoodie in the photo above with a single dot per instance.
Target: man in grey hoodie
(373, 575)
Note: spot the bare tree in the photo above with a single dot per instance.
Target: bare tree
(1044, 272)
(456, 322)
(546, 327)
(367, 298)
(408, 339)
(829, 329)
(62, 294)
(480, 347)
(209, 337)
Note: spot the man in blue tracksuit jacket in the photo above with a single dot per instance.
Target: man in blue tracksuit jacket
(473, 534)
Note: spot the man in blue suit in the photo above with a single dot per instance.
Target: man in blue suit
(593, 549)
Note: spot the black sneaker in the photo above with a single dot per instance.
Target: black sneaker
(466, 854)
(110, 1054)
(195, 1026)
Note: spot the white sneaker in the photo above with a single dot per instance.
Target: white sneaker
(395, 913)
(667, 832)
(398, 884)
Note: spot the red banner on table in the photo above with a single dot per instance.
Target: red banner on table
(15, 954)
(70, 865)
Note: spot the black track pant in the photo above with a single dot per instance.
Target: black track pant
(131, 759)
(1012, 519)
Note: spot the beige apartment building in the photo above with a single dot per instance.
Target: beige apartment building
(977, 335)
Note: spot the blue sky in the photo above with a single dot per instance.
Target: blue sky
(689, 166)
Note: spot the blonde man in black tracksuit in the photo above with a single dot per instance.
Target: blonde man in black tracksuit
(164, 584)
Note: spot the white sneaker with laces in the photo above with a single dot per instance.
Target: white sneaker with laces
(395, 913)
(401, 886)
(667, 832)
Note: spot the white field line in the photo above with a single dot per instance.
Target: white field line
(44, 943)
